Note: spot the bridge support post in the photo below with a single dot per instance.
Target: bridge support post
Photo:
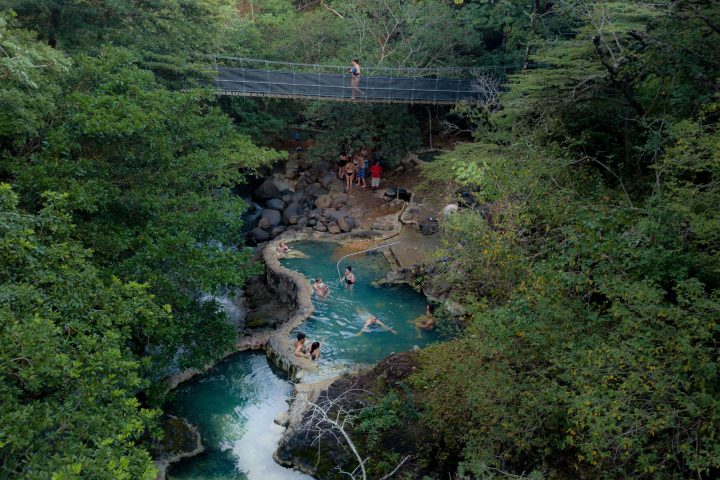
(429, 110)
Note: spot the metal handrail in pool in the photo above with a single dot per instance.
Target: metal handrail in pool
(357, 253)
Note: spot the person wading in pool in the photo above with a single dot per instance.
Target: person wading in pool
(373, 320)
(321, 289)
(314, 353)
(300, 345)
(355, 78)
(426, 322)
(349, 277)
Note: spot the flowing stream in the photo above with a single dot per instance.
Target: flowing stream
(234, 404)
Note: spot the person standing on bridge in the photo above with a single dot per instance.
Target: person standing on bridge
(355, 78)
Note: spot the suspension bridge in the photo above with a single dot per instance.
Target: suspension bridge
(264, 78)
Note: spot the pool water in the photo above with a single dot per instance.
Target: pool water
(234, 406)
(338, 318)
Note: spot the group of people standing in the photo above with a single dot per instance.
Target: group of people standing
(354, 168)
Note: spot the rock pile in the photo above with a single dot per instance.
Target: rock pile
(302, 197)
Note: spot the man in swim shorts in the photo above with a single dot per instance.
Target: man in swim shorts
(426, 322)
(300, 345)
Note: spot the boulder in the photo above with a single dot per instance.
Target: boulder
(333, 228)
(291, 173)
(264, 223)
(302, 223)
(315, 190)
(455, 309)
(409, 160)
(312, 222)
(259, 235)
(281, 182)
(292, 210)
(429, 226)
(275, 204)
(298, 196)
(274, 216)
(277, 230)
(287, 198)
(328, 181)
(323, 201)
(346, 224)
(320, 227)
(332, 215)
(282, 419)
(267, 190)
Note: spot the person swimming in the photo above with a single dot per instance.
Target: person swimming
(349, 277)
(321, 289)
(373, 320)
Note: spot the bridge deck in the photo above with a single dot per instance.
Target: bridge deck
(272, 83)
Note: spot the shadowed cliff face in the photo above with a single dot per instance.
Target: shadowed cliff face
(407, 438)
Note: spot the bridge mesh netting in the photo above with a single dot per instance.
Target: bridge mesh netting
(250, 77)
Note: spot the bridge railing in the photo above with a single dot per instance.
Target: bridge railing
(367, 70)
(254, 77)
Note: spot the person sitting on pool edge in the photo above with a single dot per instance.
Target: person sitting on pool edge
(321, 289)
(373, 320)
(300, 345)
(426, 322)
(282, 249)
(314, 351)
(349, 276)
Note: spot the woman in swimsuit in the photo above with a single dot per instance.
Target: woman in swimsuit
(349, 175)
(349, 276)
(314, 353)
(355, 78)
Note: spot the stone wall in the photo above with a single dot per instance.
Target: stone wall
(295, 290)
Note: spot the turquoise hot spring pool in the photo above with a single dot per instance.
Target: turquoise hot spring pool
(339, 317)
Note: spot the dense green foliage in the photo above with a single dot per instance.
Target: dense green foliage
(68, 377)
(592, 272)
(104, 297)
